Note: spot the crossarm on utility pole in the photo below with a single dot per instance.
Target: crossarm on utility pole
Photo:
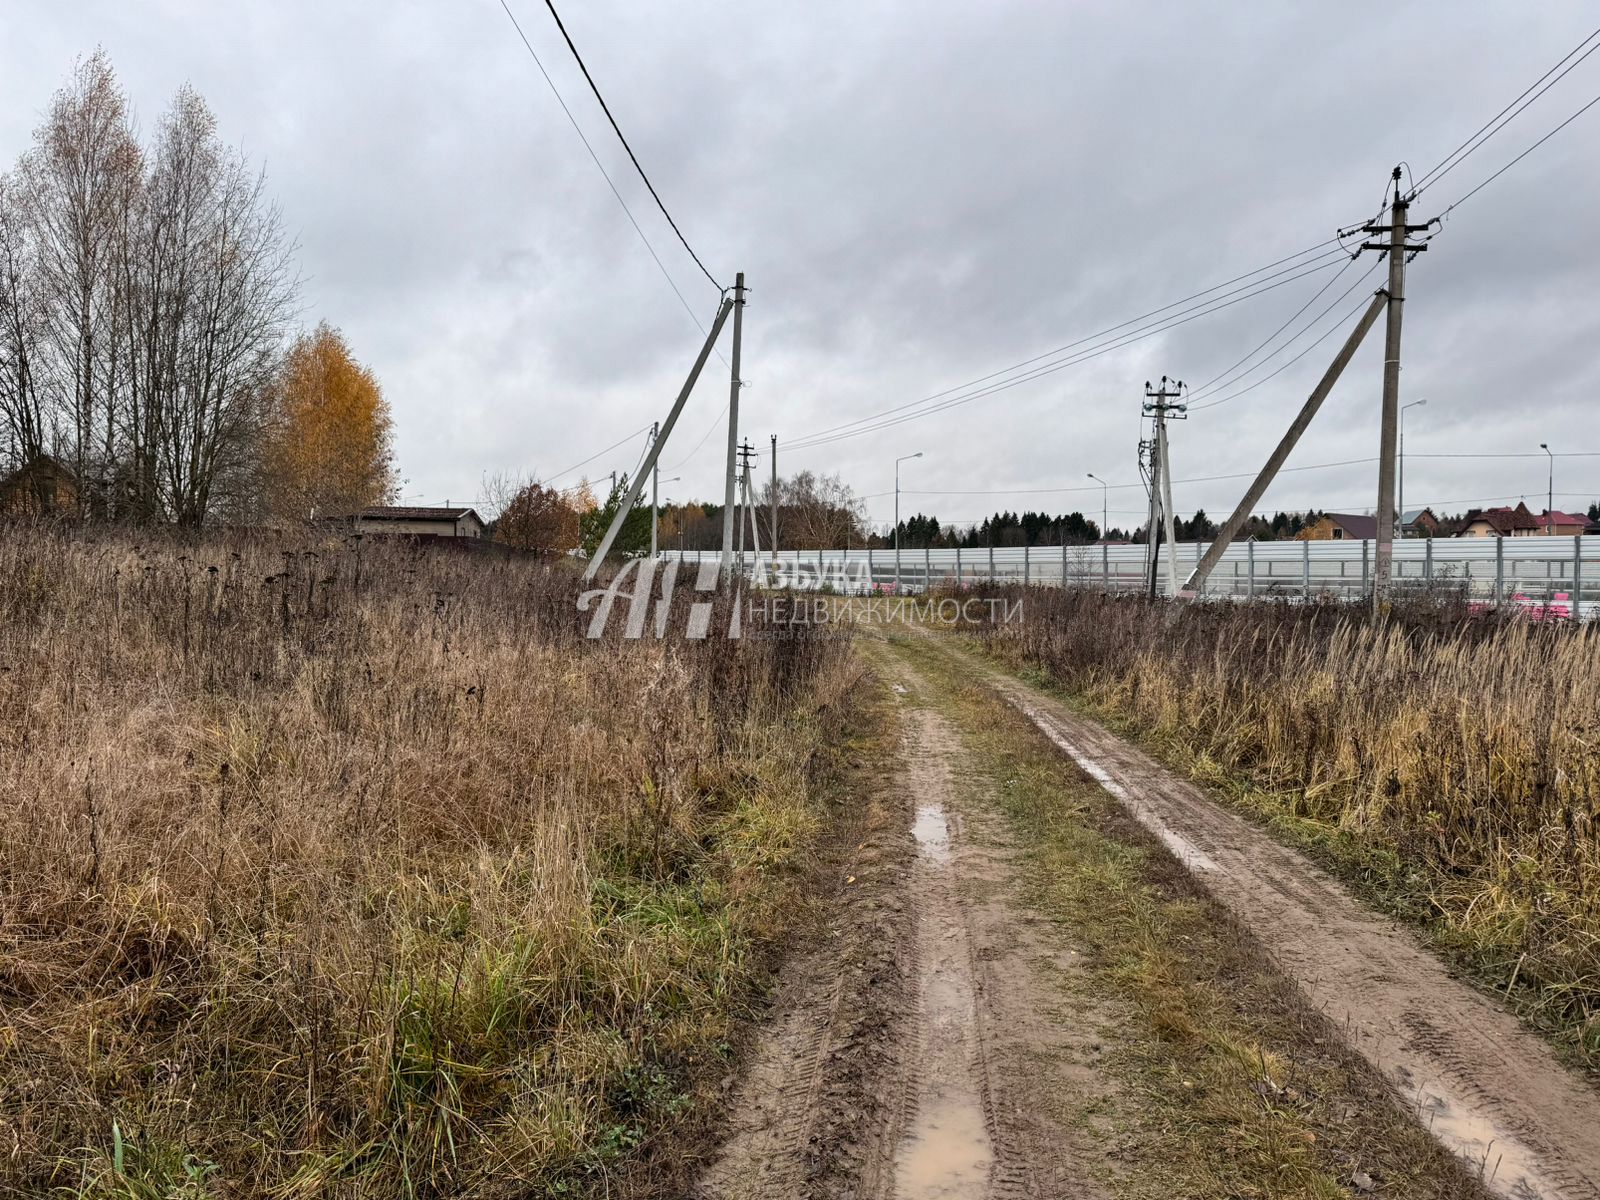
(1257, 489)
(636, 484)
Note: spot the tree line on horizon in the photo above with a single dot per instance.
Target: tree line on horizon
(148, 296)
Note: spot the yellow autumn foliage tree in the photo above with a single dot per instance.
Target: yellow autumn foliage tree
(328, 450)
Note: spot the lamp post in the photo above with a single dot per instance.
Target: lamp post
(1550, 501)
(897, 462)
(1105, 511)
(1401, 507)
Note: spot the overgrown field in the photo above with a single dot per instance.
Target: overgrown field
(352, 870)
(1451, 765)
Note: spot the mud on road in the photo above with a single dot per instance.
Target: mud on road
(919, 1052)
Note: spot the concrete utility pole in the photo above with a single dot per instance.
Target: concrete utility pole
(1397, 248)
(1152, 526)
(649, 464)
(735, 383)
(655, 489)
(746, 453)
(1161, 402)
(773, 528)
(1550, 503)
(897, 463)
(1252, 496)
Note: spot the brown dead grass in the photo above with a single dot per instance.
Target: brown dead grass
(339, 869)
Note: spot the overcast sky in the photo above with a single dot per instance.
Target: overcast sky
(920, 193)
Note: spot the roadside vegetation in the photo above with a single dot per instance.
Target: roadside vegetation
(1450, 766)
(330, 868)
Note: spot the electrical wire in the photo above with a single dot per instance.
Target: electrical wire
(1216, 380)
(549, 479)
(1480, 136)
(1325, 335)
(1463, 199)
(1183, 318)
(1323, 247)
(634, 158)
(661, 266)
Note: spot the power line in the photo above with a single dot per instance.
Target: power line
(599, 166)
(1151, 329)
(1102, 334)
(606, 108)
(1479, 137)
(1462, 200)
(1326, 334)
(619, 442)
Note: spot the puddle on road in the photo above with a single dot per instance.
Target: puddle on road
(932, 831)
(947, 1157)
(1499, 1159)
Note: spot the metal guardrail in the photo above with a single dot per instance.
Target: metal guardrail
(1537, 572)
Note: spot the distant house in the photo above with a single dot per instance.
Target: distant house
(1555, 523)
(1500, 522)
(1339, 527)
(444, 522)
(1419, 522)
(40, 488)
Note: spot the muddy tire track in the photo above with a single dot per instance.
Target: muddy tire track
(936, 1074)
(1489, 1090)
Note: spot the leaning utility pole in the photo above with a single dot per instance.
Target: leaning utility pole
(1398, 250)
(1160, 402)
(1252, 496)
(734, 384)
(636, 484)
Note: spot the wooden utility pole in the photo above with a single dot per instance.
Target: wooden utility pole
(1398, 250)
(1160, 402)
(735, 383)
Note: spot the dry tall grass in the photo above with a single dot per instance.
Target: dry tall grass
(352, 870)
(1455, 763)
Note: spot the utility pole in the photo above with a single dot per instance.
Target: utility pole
(1398, 251)
(1161, 403)
(735, 383)
(1105, 506)
(773, 528)
(655, 490)
(746, 453)
(1152, 525)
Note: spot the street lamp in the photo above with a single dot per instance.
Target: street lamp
(1550, 502)
(897, 462)
(1105, 512)
(1402, 509)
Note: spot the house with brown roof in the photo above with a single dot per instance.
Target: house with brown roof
(42, 487)
(447, 521)
(1500, 522)
(1555, 523)
(1339, 527)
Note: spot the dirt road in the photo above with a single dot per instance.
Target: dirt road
(1491, 1092)
(918, 1054)
(948, 1037)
